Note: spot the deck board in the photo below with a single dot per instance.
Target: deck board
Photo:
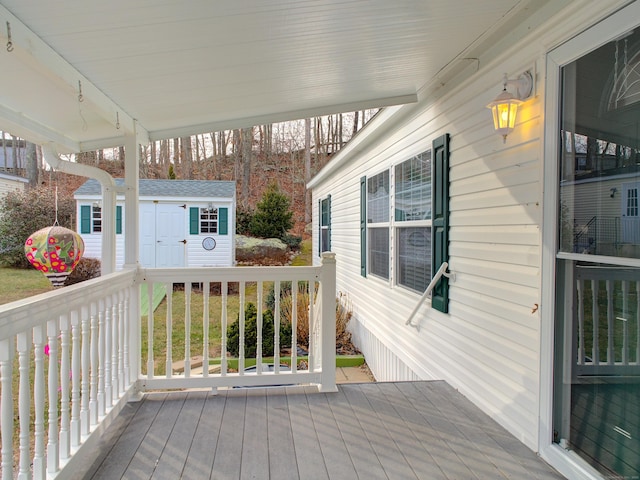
(422, 430)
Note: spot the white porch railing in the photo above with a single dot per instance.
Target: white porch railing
(608, 317)
(71, 359)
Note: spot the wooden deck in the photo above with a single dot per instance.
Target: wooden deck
(423, 430)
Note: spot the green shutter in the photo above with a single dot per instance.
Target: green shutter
(440, 217)
(329, 222)
(319, 228)
(194, 220)
(118, 219)
(363, 226)
(85, 219)
(223, 221)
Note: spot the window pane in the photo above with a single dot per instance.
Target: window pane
(324, 239)
(97, 218)
(600, 158)
(413, 188)
(379, 252)
(414, 257)
(378, 198)
(325, 212)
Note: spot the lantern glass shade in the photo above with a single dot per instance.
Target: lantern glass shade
(55, 251)
(504, 110)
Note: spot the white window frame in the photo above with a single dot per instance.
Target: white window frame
(208, 220)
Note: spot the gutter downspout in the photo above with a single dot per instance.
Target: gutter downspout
(109, 192)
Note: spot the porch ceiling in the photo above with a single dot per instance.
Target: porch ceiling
(185, 67)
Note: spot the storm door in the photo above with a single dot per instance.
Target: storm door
(597, 313)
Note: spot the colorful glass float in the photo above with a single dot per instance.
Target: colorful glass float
(55, 251)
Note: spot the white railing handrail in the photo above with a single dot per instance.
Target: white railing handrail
(20, 315)
(441, 272)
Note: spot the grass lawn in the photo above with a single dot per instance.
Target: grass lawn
(16, 283)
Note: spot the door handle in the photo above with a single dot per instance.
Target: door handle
(184, 241)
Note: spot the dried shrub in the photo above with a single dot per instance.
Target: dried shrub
(86, 269)
(302, 311)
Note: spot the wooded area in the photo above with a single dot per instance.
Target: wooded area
(287, 153)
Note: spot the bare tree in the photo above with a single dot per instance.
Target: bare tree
(32, 164)
(247, 144)
(307, 169)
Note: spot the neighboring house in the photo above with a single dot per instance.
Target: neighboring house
(541, 325)
(9, 183)
(183, 223)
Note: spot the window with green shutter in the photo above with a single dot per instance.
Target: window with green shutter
(325, 224)
(440, 230)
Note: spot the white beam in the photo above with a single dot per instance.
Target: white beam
(34, 51)
(282, 117)
(25, 127)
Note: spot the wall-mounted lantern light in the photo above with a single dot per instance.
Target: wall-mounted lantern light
(505, 106)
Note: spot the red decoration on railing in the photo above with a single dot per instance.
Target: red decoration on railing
(55, 251)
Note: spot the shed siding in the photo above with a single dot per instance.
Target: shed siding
(8, 185)
(488, 344)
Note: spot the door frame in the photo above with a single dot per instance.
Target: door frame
(566, 462)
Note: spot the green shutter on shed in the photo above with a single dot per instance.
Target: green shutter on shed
(363, 226)
(85, 219)
(118, 219)
(223, 221)
(194, 220)
(440, 221)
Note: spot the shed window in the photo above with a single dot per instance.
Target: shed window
(96, 218)
(208, 220)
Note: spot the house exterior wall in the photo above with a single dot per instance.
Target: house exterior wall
(9, 183)
(489, 344)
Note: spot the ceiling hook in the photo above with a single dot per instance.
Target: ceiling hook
(9, 42)
(80, 96)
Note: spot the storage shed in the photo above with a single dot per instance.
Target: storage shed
(183, 223)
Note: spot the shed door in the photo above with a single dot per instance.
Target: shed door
(162, 235)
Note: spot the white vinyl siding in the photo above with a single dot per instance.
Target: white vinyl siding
(488, 344)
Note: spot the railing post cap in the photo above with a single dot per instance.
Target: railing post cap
(328, 257)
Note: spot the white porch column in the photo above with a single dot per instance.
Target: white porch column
(328, 331)
(108, 229)
(131, 204)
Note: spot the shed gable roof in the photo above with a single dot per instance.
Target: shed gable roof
(169, 188)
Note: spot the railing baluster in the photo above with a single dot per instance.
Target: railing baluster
(75, 378)
(276, 329)
(24, 405)
(294, 325)
(312, 326)
(52, 443)
(115, 335)
(242, 333)
(39, 467)
(581, 345)
(625, 322)
(187, 329)
(6, 406)
(224, 287)
(259, 324)
(611, 357)
(101, 358)
(596, 321)
(150, 368)
(637, 322)
(169, 322)
(121, 350)
(65, 368)
(94, 351)
(126, 339)
(205, 329)
(85, 354)
(107, 354)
